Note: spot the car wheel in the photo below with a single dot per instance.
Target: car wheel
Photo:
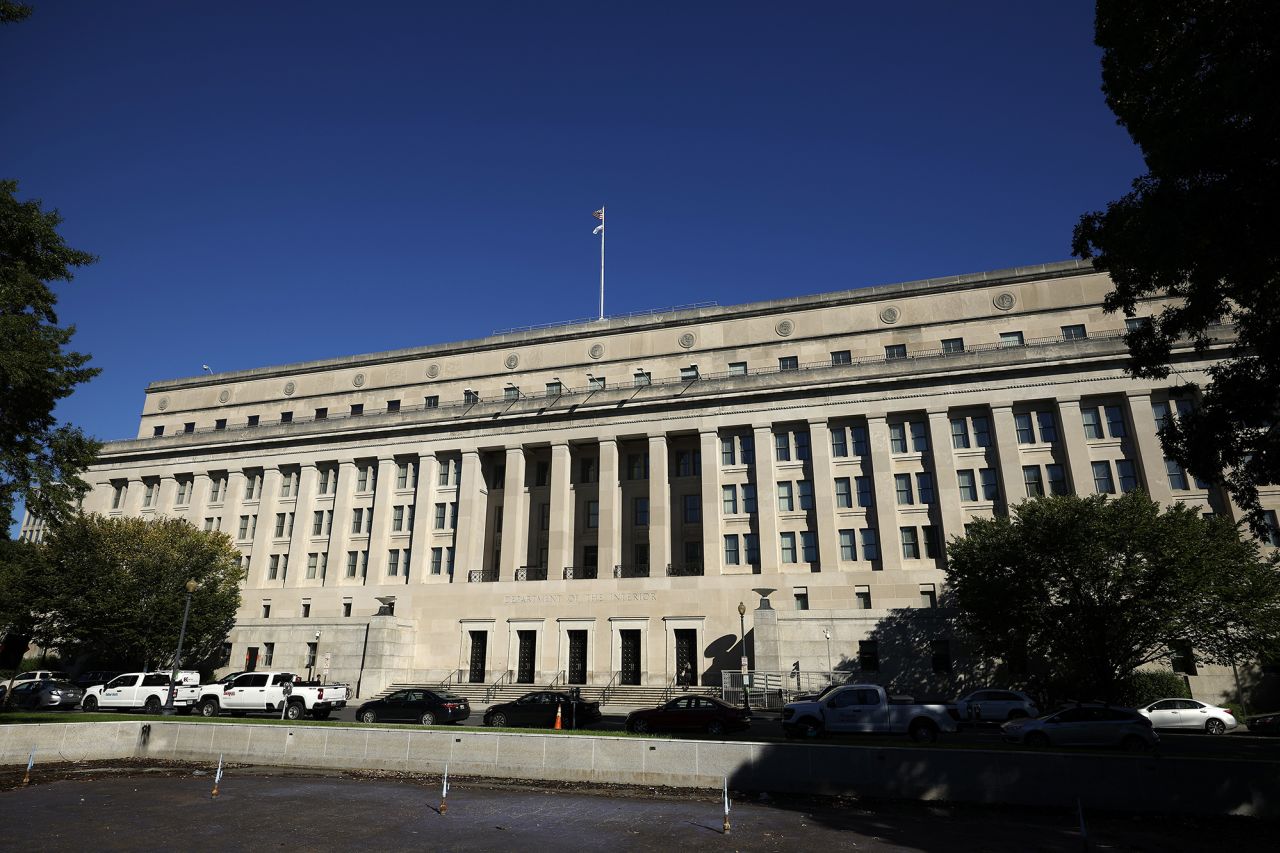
(1133, 743)
(639, 727)
(210, 708)
(427, 718)
(1215, 727)
(715, 728)
(152, 706)
(90, 704)
(368, 717)
(498, 720)
(1039, 740)
(923, 731)
(294, 711)
(809, 727)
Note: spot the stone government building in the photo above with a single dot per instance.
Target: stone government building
(588, 503)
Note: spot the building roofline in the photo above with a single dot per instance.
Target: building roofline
(632, 323)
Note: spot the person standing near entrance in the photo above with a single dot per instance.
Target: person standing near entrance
(685, 675)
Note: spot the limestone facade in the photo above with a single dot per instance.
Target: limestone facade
(589, 503)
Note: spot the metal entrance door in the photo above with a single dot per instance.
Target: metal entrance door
(686, 656)
(630, 640)
(479, 652)
(577, 657)
(528, 653)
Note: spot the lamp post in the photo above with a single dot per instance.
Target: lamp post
(742, 629)
(827, 634)
(177, 656)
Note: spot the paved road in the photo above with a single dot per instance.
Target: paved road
(173, 810)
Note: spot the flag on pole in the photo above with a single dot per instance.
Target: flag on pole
(599, 214)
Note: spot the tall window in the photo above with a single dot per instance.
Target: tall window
(924, 487)
(805, 489)
(839, 443)
(862, 597)
(640, 512)
(968, 485)
(1115, 421)
(809, 546)
(749, 498)
(802, 446)
(402, 476)
(1126, 475)
(748, 445)
(593, 514)
(902, 486)
(898, 438)
(727, 454)
(393, 563)
(919, 436)
(729, 500)
(751, 544)
(1033, 481)
(1092, 422)
(788, 547)
(1057, 479)
(785, 502)
(1177, 476)
(981, 431)
(848, 547)
(731, 550)
(870, 544)
(959, 433)
(397, 518)
(868, 656)
(1048, 427)
(1271, 535)
(858, 435)
(1025, 431)
(692, 509)
(844, 493)
(910, 543)
(990, 486)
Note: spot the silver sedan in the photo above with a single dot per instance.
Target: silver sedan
(1189, 715)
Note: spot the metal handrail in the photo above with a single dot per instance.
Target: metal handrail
(556, 680)
(448, 679)
(684, 570)
(604, 694)
(669, 690)
(492, 689)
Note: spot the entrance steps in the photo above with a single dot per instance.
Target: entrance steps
(626, 695)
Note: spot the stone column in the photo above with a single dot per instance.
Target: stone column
(199, 499)
(133, 495)
(167, 500)
(308, 475)
(1013, 489)
(824, 494)
(424, 507)
(560, 540)
(712, 543)
(469, 554)
(515, 514)
(949, 515)
(886, 497)
(384, 494)
(1078, 461)
(659, 506)
(340, 529)
(766, 484)
(1146, 439)
(266, 525)
(609, 534)
(232, 501)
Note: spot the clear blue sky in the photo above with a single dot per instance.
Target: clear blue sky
(273, 182)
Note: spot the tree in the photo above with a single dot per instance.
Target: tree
(11, 13)
(22, 569)
(1193, 81)
(1093, 588)
(40, 460)
(116, 590)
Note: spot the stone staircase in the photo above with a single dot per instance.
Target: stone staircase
(627, 695)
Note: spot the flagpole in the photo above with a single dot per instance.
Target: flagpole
(602, 262)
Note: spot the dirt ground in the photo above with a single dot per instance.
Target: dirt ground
(163, 805)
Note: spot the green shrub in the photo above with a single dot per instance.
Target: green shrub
(1147, 685)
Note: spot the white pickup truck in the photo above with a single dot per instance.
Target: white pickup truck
(145, 690)
(865, 708)
(271, 692)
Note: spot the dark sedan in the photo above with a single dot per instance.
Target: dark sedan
(690, 714)
(538, 711)
(93, 678)
(416, 705)
(1264, 724)
(45, 695)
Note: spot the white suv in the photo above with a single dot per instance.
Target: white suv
(995, 706)
(37, 675)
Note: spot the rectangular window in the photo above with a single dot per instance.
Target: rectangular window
(156, 432)
(689, 374)
(313, 564)
(596, 383)
(802, 446)
(346, 607)
(439, 522)
(273, 567)
(642, 379)
(858, 435)
(469, 397)
(393, 405)
(1022, 424)
(1048, 427)
(189, 427)
(1092, 422)
(688, 463)
(981, 431)
(789, 362)
(268, 653)
(184, 492)
(328, 480)
(1057, 479)
(251, 421)
(431, 402)
(902, 487)
(692, 509)
(731, 550)
(910, 543)
(805, 491)
(149, 496)
(593, 514)
(322, 413)
(809, 546)
(848, 546)
(1115, 421)
(1032, 480)
(640, 511)
(1010, 339)
(243, 532)
(800, 595)
(841, 357)
(729, 500)
(928, 595)
(990, 486)
(968, 485)
(737, 368)
(898, 438)
(216, 487)
(357, 409)
(588, 472)
(1177, 476)
(393, 563)
(357, 520)
(782, 447)
(844, 493)
(397, 519)
(748, 446)
(870, 544)
(1074, 333)
(929, 534)
(866, 496)
(727, 454)
(266, 610)
(788, 547)
(541, 473)
(868, 656)
(893, 352)
(924, 487)
(286, 417)
(402, 476)
(208, 524)
(919, 436)
(279, 524)
(951, 346)
(751, 544)
(959, 433)
(862, 597)
(839, 442)
(638, 466)
(749, 498)
(437, 555)
(785, 502)
(510, 393)
(1271, 535)
(1126, 475)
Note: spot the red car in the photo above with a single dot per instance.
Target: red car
(690, 713)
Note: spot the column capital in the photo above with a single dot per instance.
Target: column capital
(1139, 393)
(822, 422)
(1069, 401)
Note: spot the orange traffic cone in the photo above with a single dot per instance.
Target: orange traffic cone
(557, 726)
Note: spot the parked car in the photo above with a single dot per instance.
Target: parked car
(1264, 724)
(146, 690)
(273, 693)
(37, 675)
(1085, 725)
(690, 713)
(1189, 715)
(415, 705)
(45, 695)
(538, 710)
(866, 708)
(993, 705)
(93, 678)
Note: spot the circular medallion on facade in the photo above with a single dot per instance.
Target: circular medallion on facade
(358, 380)
(1005, 300)
(289, 388)
(687, 340)
(433, 371)
(784, 328)
(596, 350)
(224, 396)
(164, 403)
(890, 315)
(512, 361)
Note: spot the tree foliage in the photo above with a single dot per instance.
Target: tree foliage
(115, 590)
(40, 460)
(1194, 83)
(1092, 588)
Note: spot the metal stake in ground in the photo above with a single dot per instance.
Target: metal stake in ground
(31, 760)
(727, 805)
(217, 777)
(444, 791)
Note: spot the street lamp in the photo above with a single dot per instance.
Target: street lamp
(827, 634)
(177, 656)
(742, 629)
